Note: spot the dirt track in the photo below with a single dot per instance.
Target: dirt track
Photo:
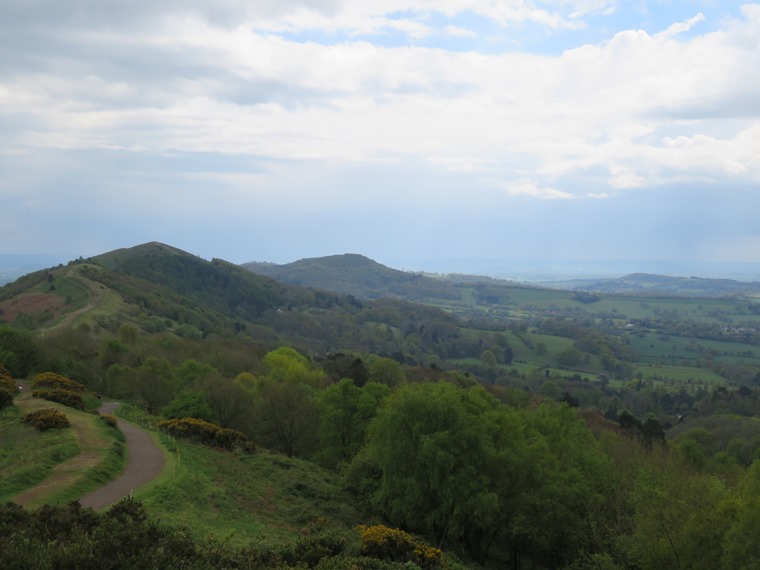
(145, 462)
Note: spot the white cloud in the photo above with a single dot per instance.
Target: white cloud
(530, 188)
(458, 32)
(681, 27)
(226, 78)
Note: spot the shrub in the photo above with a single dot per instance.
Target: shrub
(46, 419)
(109, 420)
(53, 381)
(7, 383)
(6, 398)
(392, 544)
(207, 433)
(65, 397)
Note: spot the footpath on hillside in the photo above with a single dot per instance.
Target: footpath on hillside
(145, 461)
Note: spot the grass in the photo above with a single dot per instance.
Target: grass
(240, 498)
(27, 456)
(654, 348)
(680, 374)
(57, 466)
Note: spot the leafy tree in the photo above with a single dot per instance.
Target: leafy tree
(189, 404)
(154, 383)
(387, 371)
(19, 351)
(287, 364)
(231, 404)
(192, 373)
(285, 418)
(345, 411)
(431, 444)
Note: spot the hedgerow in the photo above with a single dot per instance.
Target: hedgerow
(207, 433)
(46, 419)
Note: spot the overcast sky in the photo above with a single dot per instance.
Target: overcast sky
(411, 131)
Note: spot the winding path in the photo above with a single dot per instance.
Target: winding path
(145, 461)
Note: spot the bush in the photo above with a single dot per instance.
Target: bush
(65, 397)
(207, 433)
(109, 420)
(46, 419)
(53, 381)
(396, 545)
(7, 383)
(6, 398)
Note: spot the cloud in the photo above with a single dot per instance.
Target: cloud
(529, 188)
(279, 103)
(681, 27)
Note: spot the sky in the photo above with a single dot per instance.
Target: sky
(425, 134)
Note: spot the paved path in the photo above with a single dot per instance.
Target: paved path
(144, 463)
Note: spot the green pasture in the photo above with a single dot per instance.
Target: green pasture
(655, 348)
(679, 374)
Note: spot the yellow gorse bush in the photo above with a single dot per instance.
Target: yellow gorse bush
(53, 381)
(386, 543)
(208, 433)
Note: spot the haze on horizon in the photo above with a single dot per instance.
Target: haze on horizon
(417, 133)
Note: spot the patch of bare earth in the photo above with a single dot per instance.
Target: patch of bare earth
(32, 303)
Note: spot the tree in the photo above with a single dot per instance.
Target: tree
(19, 351)
(190, 404)
(488, 357)
(154, 383)
(345, 411)
(286, 418)
(231, 404)
(286, 363)
(430, 443)
(387, 371)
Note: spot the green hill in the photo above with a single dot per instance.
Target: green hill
(359, 276)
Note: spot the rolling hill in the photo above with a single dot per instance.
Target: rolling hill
(357, 275)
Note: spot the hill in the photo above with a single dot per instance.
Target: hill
(157, 288)
(357, 275)
(637, 283)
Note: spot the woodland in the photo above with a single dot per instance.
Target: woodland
(400, 420)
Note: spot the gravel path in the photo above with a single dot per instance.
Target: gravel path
(144, 463)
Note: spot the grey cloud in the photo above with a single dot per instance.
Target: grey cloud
(119, 14)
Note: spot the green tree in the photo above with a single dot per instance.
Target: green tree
(232, 405)
(285, 418)
(345, 411)
(387, 371)
(430, 443)
(154, 383)
(287, 364)
(190, 404)
(19, 351)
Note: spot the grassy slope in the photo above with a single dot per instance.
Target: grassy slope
(56, 466)
(241, 498)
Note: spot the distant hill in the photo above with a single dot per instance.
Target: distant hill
(662, 284)
(359, 276)
(159, 288)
